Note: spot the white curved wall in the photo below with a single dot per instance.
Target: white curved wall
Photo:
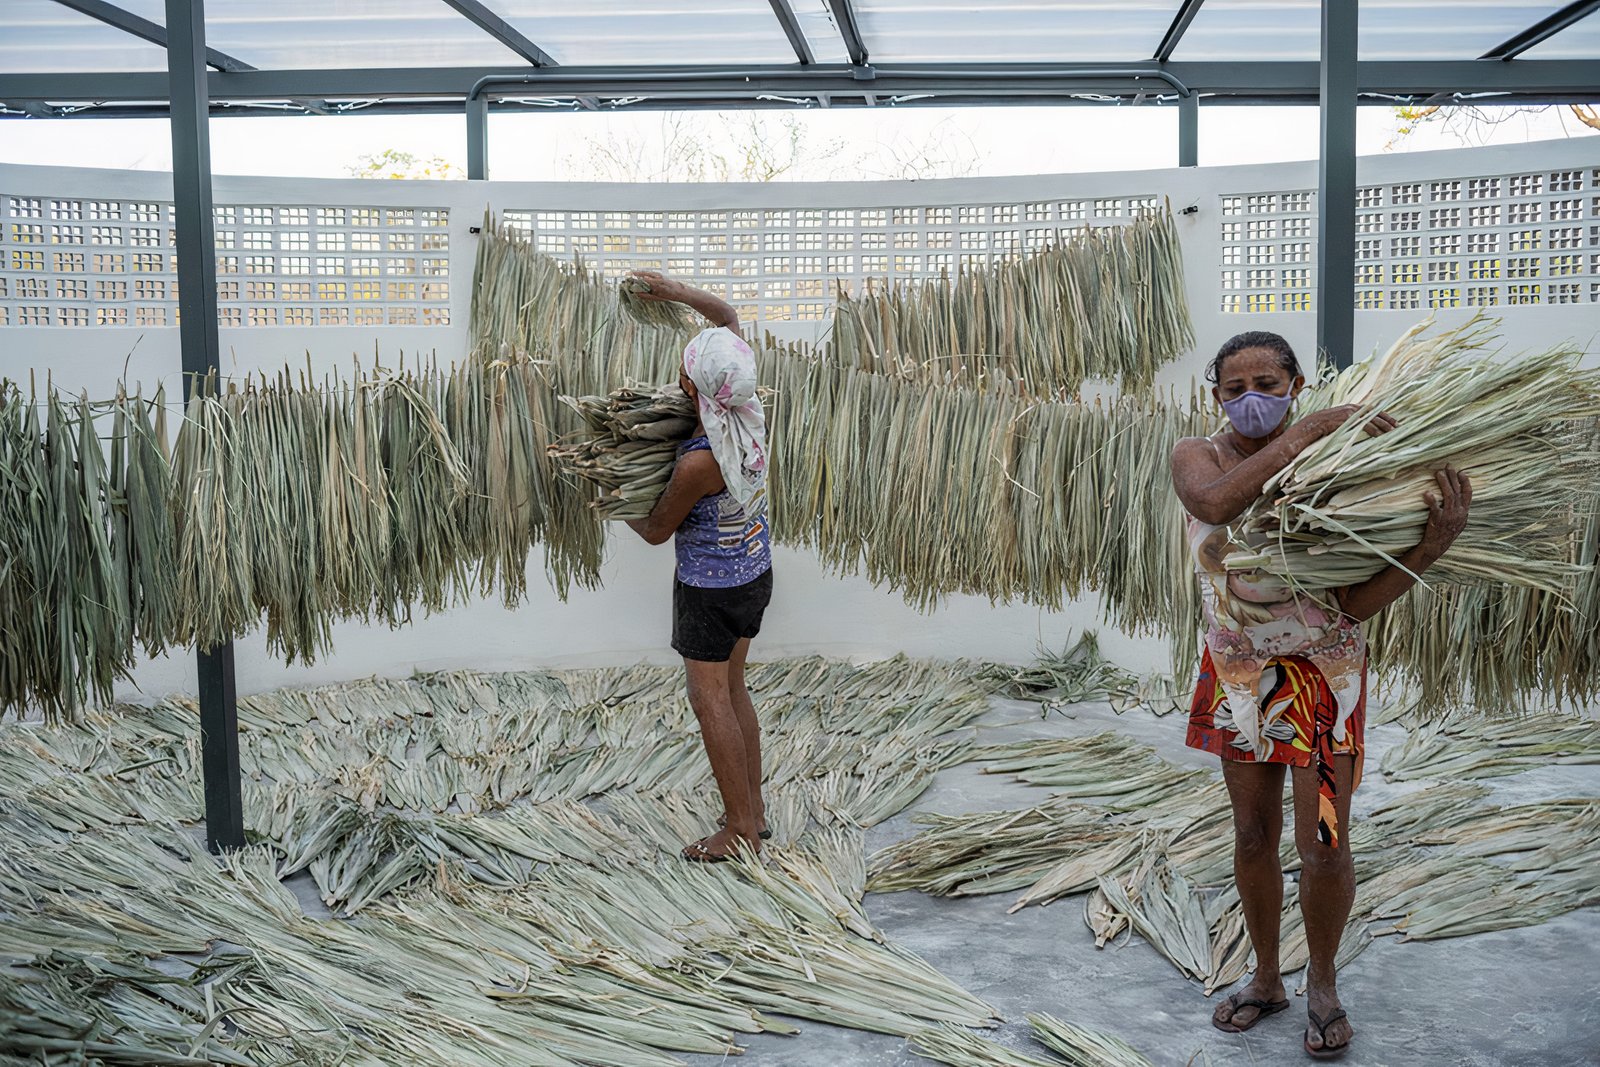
(812, 611)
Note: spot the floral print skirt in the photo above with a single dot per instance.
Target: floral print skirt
(1297, 712)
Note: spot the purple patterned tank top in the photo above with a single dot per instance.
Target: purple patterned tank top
(720, 544)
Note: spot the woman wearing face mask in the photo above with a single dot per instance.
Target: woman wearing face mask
(1283, 677)
(714, 508)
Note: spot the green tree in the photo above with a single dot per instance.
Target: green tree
(1471, 124)
(393, 163)
(764, 146)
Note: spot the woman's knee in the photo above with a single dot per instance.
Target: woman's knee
(1320, 860)
(709, 692)
(1255, 834)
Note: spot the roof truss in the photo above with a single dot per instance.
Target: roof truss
(446, 88)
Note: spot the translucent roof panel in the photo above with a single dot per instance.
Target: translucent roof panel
(646, 32)
(41, 36)
(1464, 29)
(319, 34)
(1245, 30)
(1578, 41)
(918, 31)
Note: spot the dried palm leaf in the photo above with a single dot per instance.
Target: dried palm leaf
(1082, 1047)
(663, 313)
(962, 1048)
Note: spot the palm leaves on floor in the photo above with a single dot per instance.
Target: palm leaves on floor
(1148, 857)
(1469, 746)
(508, 845)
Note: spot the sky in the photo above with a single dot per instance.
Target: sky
(558, 147)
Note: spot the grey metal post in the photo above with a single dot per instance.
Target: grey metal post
(477, 138)
(1336, 184)
(1189, 130)
(190, 105)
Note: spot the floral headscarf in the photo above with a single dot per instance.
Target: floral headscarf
(723, 370)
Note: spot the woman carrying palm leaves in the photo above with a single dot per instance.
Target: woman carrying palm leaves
(715, 509)
(1283, 678)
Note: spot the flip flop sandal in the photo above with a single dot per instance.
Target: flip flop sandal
(722, 824)
(1263, 1008)
(698, 853)
(1322, 1025)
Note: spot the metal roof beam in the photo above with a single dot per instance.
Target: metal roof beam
(1576, 80)
(844, 17)
(1543, 30)
(791, 27)
(502, 31)
(568, 105)
(1175, 32)
(144, 29)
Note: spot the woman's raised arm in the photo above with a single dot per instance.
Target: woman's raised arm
(1216, 496)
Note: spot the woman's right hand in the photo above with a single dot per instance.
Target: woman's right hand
(661, 287)
(1321, 423)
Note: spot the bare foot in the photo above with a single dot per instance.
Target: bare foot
(1244, 1008)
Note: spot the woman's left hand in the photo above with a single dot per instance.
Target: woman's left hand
(1447, 512)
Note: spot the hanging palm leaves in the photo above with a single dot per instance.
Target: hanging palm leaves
(66, 604)
(1107, 303)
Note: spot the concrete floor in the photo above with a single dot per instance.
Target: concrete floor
(1515, 997)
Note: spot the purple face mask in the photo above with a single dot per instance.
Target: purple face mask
(1257, 414)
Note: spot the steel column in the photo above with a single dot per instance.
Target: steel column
(1189, 130)
(477, 138)
(1336, 184)
(197, 311)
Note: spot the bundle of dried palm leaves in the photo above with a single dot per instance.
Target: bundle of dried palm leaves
(1107, 302)
(1499, 648)
(628, 446)
(665, 313)
(1353, 502)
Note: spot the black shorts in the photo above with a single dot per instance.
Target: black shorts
(707, 623)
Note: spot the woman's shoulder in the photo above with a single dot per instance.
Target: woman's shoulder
(700, 464)
(1194, 446)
